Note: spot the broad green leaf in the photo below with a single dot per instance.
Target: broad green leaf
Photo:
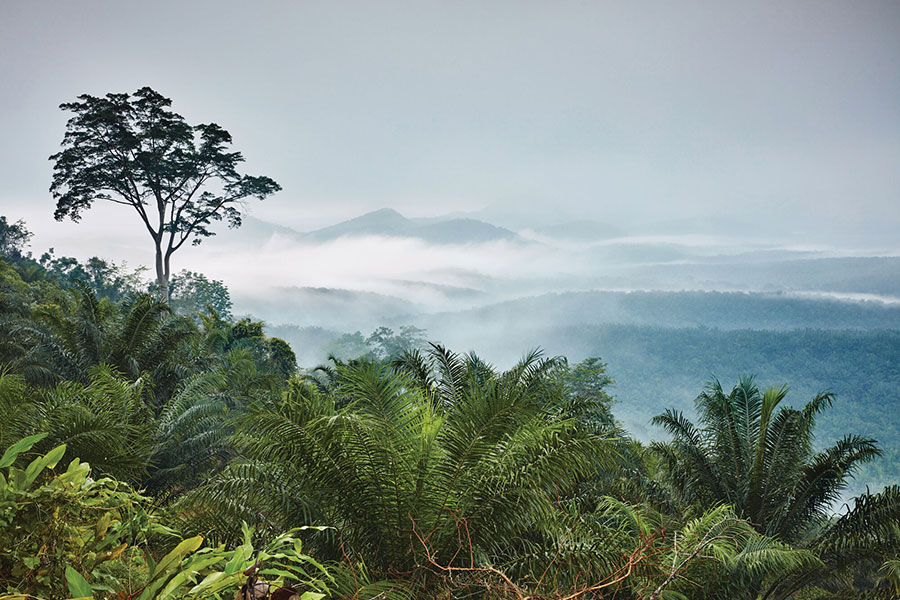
(17, 478)
(188, 573)
(241, 554)
(184, 548)
(23, 445)
(199, 563)
(152, 587)
(148, 559)
(248, 533)
(311, 596)
(312, 561)
(207, 582)
(49, 460)
(279, 573)
(78, 586)
(175, 583)
(103, 525)
(112, 554)
(53, 457)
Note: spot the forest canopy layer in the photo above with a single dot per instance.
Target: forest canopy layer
(183, 453)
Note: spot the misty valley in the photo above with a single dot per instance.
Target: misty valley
(459, 300)
(203, 406)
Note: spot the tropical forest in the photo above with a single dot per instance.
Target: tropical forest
(535, 301)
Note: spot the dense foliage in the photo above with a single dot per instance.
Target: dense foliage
(154, 453)
(859, 368)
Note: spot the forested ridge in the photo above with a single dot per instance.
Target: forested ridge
(655, 365)
(450, 300)
(154, 450)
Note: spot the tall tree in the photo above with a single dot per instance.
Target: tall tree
(13, 238)
(132, 149)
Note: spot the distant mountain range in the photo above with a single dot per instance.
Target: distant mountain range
(468, 263)
(454, 228)
(387, 222)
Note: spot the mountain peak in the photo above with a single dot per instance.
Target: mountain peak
(382, 212)
(390, 223)
(384, 221)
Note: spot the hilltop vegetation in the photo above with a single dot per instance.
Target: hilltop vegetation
(402, 469)
(655, 367)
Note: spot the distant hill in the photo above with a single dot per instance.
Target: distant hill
(385, 221)
(722, 310)
(324, 307)
(258, 231)
(389, 223)
(462, 231)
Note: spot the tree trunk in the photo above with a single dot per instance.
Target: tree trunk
(167, 273)
(162, 275)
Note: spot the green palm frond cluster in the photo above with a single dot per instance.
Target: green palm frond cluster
(140, 337)
(439, 472)
(761, 458)
(194, 430)
(104, 421)
(386, 459)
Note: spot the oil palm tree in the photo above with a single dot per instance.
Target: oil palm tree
(386, 461)
(759, 457)
(140, 338)
(104, 421)
(194, 431)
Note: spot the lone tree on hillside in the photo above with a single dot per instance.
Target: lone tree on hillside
(14, 238)
(133, 150)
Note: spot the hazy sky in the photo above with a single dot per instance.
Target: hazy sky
(783, 114)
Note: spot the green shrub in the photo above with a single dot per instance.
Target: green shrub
(51, 521)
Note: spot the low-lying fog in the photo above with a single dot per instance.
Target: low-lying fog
(382, 267)
(667, 311)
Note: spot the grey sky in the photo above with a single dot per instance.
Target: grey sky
(781, 114)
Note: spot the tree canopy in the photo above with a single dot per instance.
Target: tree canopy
(13, 237)
(132, 149)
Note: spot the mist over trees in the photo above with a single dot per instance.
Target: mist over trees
(400, 468)
(181, 450)
(517, 301)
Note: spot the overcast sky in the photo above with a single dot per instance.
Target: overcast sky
(784, 115)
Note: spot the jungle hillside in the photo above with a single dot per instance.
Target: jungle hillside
(449, 300)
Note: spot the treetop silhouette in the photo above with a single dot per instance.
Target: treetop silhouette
(132, 149)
